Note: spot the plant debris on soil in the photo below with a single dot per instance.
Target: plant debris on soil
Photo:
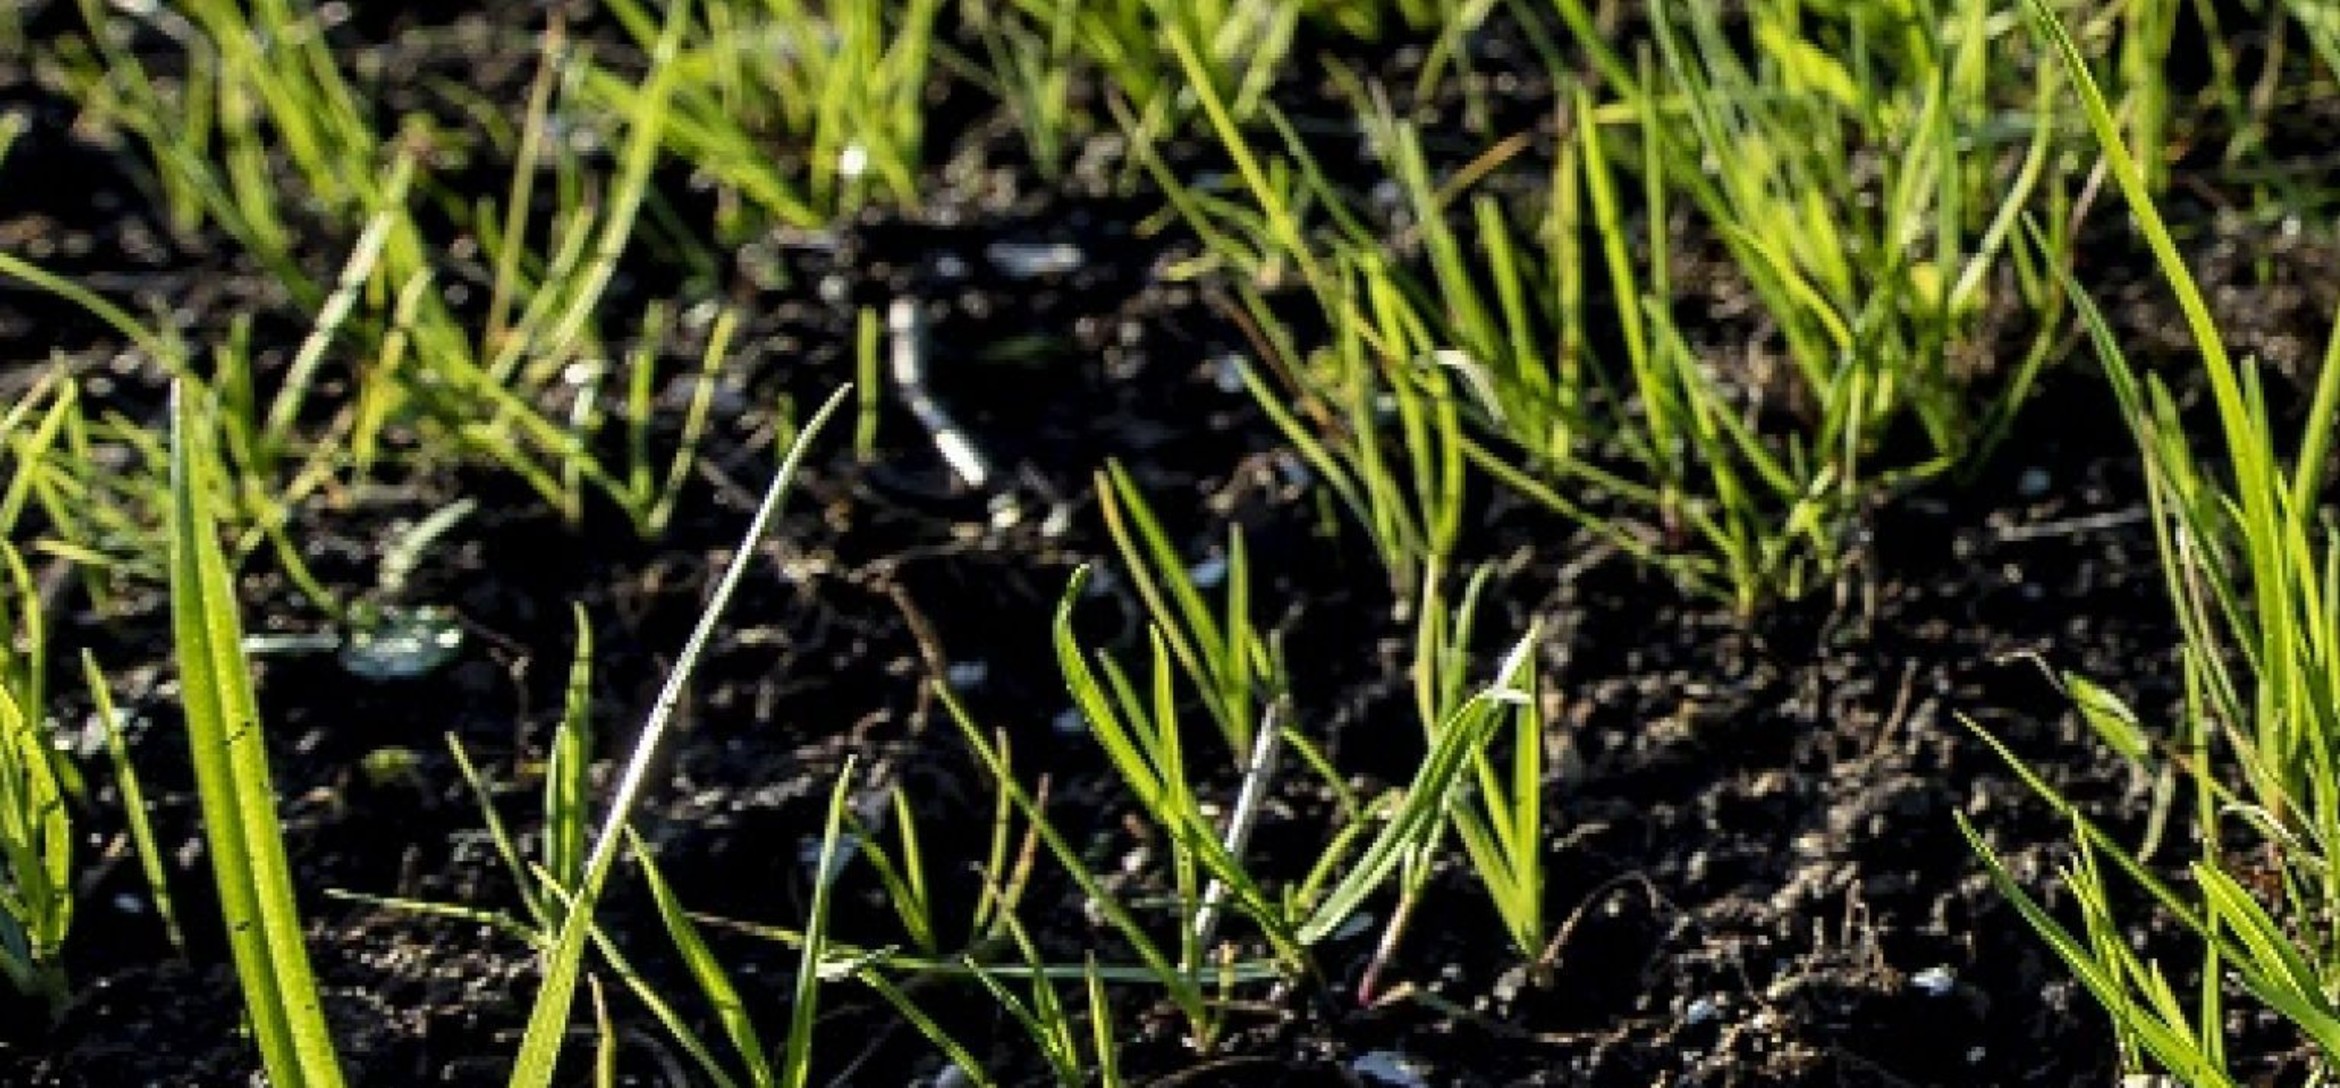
(1752, 857)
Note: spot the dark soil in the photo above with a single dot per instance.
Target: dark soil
(1753, 851)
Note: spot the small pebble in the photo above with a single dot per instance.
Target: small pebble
(1295, 472)
(89, 740)
(1030, 260)
(808, 854)
(1391, 1067)
(1006, 512)
(2033, 484)
(1101, 583)
(1227, 372)
(403, 644)
(967, 675)
(1209, 573)
(1935, 981)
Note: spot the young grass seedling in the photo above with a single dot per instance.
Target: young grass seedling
(243, 139)
(548, 886)
(1461, 334)
(1500, 816)
(1185, 991)
(230, 756)
(2253, 573)
(1030, 66)
(841, 85)
(134, 807)
(548, 1019)
(36, 829)
(1221, 652)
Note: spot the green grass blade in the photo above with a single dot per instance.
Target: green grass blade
(548, 1020)
(2224, 382)
(134, 803)
(165, 350)
(566, 776)
(1418, 816)
(796, 1053)
(952, 1049)
(231, 773)
(714, 982)
(2174, 1047)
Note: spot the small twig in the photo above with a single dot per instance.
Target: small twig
(1559, 941)
(1266, 749)
(1385, 950)
(907, 327)
(1901, 702)
(930, 651)
(2090, 523)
